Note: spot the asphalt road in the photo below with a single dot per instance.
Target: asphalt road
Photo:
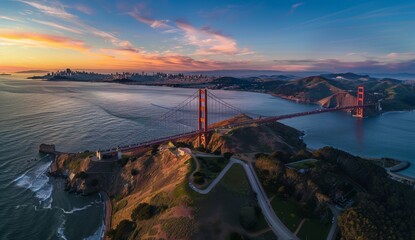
(279, 229)
(334, 228)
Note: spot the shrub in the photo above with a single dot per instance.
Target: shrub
(123, 230)
(155, 149)
(94, 182)
(227, 155)
(201, 149)
(143, 211)
(236, 236)
(183, 145)
(258, 155)
(123, 161)
(134, 171)
(81, 175)
(217, 152)
(214, 168)
(199, 178)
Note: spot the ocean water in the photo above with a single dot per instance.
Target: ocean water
(88, 116)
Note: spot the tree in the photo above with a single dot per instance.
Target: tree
(201, 148)
(236, 236)
(154, 149)
(134, 172)
(82, 175)
(122, 231)
(198, 178)
(94, 182)
(143, 211)
(227, 155)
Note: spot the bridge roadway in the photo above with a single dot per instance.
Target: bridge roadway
(261, 120)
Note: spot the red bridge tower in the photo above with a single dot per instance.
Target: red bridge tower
(360, 101)
(203, 116)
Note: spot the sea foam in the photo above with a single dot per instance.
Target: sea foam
(37, 181)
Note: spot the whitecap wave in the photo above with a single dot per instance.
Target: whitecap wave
(74, 210)
(37, 181)
(61, 230)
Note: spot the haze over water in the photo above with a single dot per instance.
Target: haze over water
(81, 116)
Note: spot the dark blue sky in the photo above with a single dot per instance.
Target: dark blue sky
(361, 36)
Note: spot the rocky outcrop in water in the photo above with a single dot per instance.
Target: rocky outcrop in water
(47, 148)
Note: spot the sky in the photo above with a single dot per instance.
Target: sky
(165, 35)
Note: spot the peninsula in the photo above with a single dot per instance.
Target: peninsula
(253, 181)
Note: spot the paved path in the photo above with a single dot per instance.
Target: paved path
(279, 229)
(300, 225)
(334, 228)
(274, 222)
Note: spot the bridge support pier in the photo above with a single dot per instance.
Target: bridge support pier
(202, 117)
(360, 102)
(98, 155)
(119, 154)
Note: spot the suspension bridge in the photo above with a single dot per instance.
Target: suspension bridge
(196, 117)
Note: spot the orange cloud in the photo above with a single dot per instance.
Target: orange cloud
(43, 40)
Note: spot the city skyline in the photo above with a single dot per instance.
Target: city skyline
(358, 36)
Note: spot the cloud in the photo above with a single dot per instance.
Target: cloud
(42, 40)
(9, 19)
(163, 24)
(57, 10)
(58, 26)
(295, 6)
(83, 9)
(209, 41)
(206, 40)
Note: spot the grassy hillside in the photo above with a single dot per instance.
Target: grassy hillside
(336, 90)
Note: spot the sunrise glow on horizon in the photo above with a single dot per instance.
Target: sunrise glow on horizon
(163, 35)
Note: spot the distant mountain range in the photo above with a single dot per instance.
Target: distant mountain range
(328, 90)
(250, 73)
(33, 71)
(256, 73)
(325, 89)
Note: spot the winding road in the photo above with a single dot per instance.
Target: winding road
(279, 229)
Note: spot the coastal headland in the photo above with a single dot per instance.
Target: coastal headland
(151, 194)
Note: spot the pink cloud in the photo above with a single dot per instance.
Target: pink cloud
(209, 41)
(151, 22)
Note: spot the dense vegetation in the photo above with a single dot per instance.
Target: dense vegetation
(382, 209)
(385, 211)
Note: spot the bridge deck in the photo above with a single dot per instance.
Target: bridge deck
(262, 120)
